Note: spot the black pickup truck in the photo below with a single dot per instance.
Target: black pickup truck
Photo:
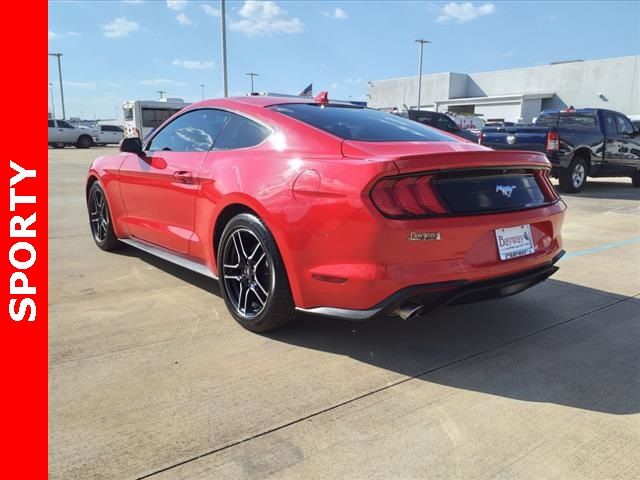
(578, 143)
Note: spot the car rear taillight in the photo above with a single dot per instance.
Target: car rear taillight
(547, 188)
(412, 196)
(480, 137)
(553, 142)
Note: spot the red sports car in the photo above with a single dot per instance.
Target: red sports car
(309, 205)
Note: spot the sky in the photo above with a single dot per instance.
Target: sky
(128, 50)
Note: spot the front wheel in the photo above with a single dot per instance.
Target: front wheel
(574, 177)
(253, 279)
(100, 219)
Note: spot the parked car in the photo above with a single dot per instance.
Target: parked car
(332, 209)
(441, 122)
(107, 134)
(579, 143)
(62, 134)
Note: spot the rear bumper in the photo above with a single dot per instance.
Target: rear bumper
(436, 295)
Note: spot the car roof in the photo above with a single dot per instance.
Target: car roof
(261, 101)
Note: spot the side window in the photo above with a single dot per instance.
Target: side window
(445, 123)
(154, 117)
(624, 125)
(451, 124)
(425, 119)
(194, 131)
(51, 124)
(63, 124)
(240, 132)
(609, 123)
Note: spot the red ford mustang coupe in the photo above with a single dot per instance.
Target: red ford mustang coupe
(309, 205)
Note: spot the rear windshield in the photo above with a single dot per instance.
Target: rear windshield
(361, 124)
(578, 121)
(547, 120)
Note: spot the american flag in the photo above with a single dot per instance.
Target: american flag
(307, 92)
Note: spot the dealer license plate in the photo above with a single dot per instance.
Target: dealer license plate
(514, 242)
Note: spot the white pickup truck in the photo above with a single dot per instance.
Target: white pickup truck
(62, 134)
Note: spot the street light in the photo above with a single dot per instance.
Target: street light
(202, 88)
(224, 50)
(421, 42)
(58, 55)
(161, 92)
(251, 74)
(53, 103)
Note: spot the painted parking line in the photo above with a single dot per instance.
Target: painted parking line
(600, 248)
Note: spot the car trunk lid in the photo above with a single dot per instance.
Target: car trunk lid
(466, 178)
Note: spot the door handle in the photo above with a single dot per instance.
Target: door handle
(183, 176)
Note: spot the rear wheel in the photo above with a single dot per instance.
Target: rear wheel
(84, 141)
(253, 278)
(57, 145)
(100, 219)
(573, 178)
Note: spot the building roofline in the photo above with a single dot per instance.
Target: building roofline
(507, 69)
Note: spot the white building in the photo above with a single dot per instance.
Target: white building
(519, 94)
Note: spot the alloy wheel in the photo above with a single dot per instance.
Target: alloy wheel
(247, 273)
(99, 215)
(578, 175)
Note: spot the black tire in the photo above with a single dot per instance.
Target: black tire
(574, 177)
(57, 145)
(85, 141)
(635, 179)
(254, 283)
(100, 219)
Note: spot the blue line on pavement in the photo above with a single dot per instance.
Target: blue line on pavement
(600, 248)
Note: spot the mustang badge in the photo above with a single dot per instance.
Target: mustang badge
(505, 190)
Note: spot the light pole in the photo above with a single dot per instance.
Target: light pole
(202, 88)
(161, 92)
(53, 103)
(251, 74)
(421, 42)
(58, 55)
(224, 50)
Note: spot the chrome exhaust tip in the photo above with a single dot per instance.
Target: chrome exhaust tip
(408, 310)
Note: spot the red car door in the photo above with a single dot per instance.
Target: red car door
(159, 188)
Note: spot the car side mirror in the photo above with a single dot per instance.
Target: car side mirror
(131, 145)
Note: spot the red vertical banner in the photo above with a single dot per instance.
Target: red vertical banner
(23, 326)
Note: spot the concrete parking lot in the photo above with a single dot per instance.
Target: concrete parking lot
(149, 376)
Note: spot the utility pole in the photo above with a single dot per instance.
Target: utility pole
(202, 88)
(225, 89)
(251, 74)
(161, 92)
(421, 42)
(58, 55)
(53, 104)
